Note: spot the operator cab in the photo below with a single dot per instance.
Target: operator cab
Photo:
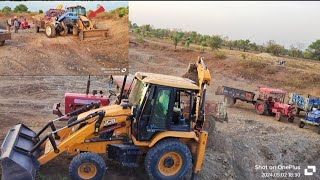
(162, 103)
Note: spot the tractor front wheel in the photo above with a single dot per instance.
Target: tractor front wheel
(37, 29)
(261, 107)
(278, 116)
(302, 124)
(1, 43)
(50, 30)
(168, 159)
(291, 119)
(88, 166)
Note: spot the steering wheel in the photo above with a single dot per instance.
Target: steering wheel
(112, 93)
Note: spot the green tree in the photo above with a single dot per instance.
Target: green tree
(313, 50)
(176, 37)
(188, 41)
(20, 8)
(6, 9)
(214, 42)
(243, 44)
(274, 48)
(40, 11)
(295, 51)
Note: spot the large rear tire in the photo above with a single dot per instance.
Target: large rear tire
(50, 30)
(168, 159)
(261, 107)
(88, 166)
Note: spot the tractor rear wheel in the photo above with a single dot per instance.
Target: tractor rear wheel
(278, 116)
(261, 107)
(168, 159)
(87, 166)
(230, 101)
(50, 30)
(302, 124)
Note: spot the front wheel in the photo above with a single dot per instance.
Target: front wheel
(291, 119)
(278, 116)
(168, 159)
(302, 124)
(1, 43)
(87, 166)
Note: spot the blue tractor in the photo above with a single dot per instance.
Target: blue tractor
(302, 103)
(312, 117)
(60, 24)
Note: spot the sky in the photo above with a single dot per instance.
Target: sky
(45, 5)
(288, 23)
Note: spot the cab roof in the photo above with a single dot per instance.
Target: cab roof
(167, 80)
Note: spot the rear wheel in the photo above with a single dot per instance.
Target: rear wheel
(278, 116)
(87, 166)
(261, 107)
(50, 30)
(168, 159)
(230, 101)
(1, 43)
(302, 124)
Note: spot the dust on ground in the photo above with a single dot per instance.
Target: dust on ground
(31, 53)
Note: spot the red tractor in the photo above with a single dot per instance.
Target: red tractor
(272, 101)
(76, 101)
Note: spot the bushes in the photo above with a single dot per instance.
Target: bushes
(122, 11)
(220, 54)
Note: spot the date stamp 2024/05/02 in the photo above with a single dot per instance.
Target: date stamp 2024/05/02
(285, 171)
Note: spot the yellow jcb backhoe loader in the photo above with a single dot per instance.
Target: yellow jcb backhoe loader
(84, 26)
(162, 121)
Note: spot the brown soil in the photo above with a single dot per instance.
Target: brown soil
(31, 53)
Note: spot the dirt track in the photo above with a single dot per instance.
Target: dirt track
(30, 53)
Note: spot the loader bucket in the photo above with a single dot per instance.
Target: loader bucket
(16, 163)
(102, 33)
